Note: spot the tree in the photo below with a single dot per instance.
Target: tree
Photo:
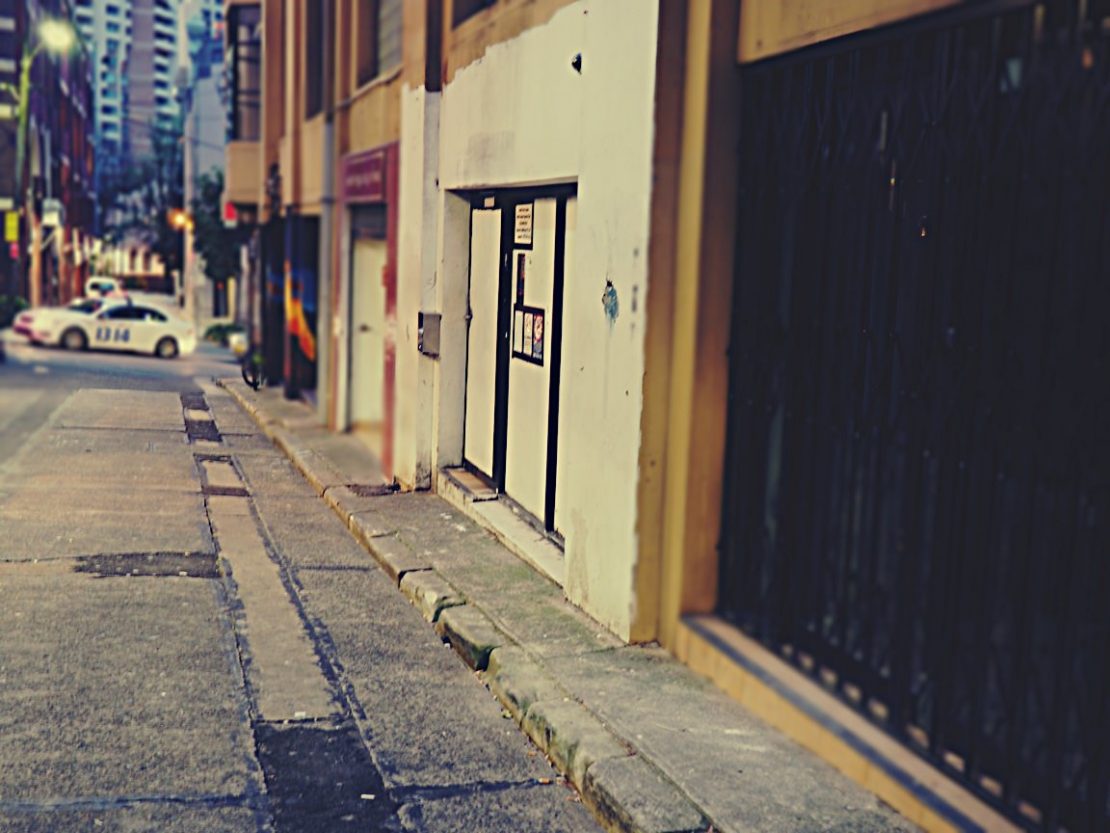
(137, 201)
(214, 242)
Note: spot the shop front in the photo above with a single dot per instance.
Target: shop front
(368, 302)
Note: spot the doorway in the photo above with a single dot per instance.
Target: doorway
(369, 257)
(518, 266)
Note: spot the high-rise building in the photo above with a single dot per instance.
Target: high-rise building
(134, 47)
(204, 131)
(201, 40)
(152, 98)
(106, 28)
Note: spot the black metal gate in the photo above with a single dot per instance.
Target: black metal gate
(917, 503)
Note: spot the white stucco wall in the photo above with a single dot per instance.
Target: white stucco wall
(414, 383)
(521, 115)
(513, 116)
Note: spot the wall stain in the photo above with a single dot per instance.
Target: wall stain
(610, 302)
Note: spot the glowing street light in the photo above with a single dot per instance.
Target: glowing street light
(58, 37)
(180, 219)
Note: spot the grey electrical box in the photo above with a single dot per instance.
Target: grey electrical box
(427, 333)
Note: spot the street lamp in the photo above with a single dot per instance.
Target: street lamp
(180, 220)
(58, 37)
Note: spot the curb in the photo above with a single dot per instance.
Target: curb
(471, 634)
(625, 792)
(431, 593)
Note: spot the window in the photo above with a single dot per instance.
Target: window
(464, 9)
(379, 37)
(245, 61)
(126, 313)
(147, 314)
(313, 57)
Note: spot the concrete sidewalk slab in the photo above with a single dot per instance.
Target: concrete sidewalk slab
(143, 714)
(516, 808)
(650, 745)
(420, 744)
(83, 440)
(126, 410)
(186, 817)
(170, 523)
(283, 669)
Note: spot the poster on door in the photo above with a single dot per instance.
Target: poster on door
(529, 333)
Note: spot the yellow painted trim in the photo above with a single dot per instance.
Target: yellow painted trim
(659, 305)
(379, 80)
(688, 236)
(772, 27)
(766, 703)
(702, 315)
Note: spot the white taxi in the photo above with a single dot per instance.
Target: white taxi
(128, 326)
(41, 324)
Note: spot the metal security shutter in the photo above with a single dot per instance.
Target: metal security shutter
(917, 504)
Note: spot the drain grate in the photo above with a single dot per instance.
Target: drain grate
(224, 491)
(194, 401)
(202, 429)
(149, 564)
(372, 489)
(321, 778)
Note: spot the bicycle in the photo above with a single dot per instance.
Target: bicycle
(252, 365)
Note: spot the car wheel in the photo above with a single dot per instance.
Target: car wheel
(74, 339)
(166, 349)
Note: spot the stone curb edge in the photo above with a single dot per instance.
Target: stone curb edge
(625, 792)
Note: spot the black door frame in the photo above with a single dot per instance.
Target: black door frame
(506, 200)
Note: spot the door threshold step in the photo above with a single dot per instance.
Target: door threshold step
(475, 487)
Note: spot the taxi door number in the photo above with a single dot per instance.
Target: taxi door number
(120, 334)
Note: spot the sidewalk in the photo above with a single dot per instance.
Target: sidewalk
(651, 747)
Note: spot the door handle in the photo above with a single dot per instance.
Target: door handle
(364, 328)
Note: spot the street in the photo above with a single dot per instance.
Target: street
(190, 640)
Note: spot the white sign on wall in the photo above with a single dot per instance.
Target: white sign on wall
(522, 229)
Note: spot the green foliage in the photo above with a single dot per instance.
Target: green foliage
(10, 307)
(136, 201)
(216, 244)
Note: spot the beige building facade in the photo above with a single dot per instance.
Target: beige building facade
(542, 267)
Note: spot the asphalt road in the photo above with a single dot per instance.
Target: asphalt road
(191, 641)
(34, 380)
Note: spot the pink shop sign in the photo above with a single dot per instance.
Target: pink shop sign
(364, 176)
